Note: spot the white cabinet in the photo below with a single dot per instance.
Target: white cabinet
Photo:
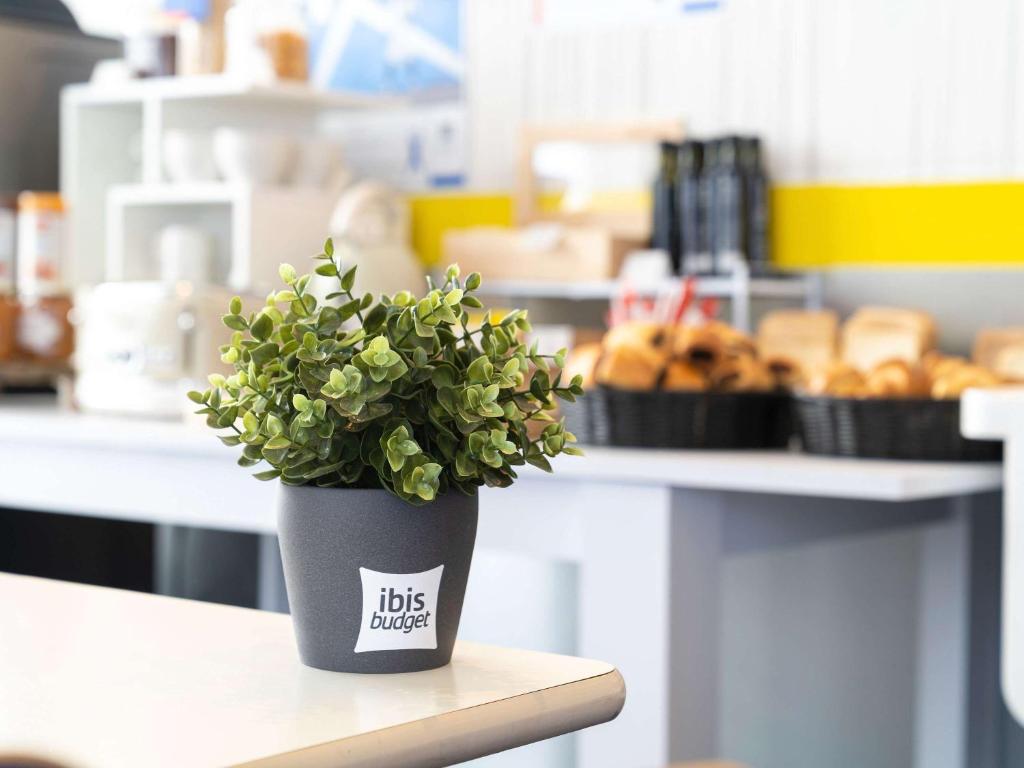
(119, 197)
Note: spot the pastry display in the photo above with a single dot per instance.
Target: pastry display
(645, 356)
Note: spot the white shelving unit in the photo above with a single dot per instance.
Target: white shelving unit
(739, 289)
(119, 198)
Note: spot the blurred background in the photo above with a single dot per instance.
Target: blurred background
(824, 194)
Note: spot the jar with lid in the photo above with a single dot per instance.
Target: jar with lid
(266, 41)
(41, 251)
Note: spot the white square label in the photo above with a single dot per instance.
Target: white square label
(399, 610)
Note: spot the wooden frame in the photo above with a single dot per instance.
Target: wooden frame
(626, 223)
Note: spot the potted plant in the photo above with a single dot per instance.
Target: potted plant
(382, 418)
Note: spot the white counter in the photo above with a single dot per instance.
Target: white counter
(647, 534)
(101, 678)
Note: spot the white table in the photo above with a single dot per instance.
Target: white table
(648, 533)
(999, 415)
(102, 678)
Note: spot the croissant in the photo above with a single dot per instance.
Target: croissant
(629, 367)
(786, 371)
(698, 346)
(895, 378)
(582, 361)
(683, 377)
(742, 374)
(952, 384)
(838, 380)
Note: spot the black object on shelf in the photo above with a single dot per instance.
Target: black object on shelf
(659, 419)
(690, 210)
(910, 429)
(755, 205)
(665, 227)
(728, 233)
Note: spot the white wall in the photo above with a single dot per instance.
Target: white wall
(842, 90)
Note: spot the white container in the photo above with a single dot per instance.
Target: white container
(185, 254)
(251, 157)
(188, 156)
(42, 251)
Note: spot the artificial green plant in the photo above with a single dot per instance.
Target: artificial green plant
(401, 393)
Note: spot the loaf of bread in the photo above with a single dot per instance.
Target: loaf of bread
(874, 335)
(999, 350)
(1009, 363)
(809, 338)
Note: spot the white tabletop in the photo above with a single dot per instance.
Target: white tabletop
(102, 678)
(43, 428)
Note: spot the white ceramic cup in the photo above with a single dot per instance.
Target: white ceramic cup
(188, 156)
(185, 254)
(252, 158)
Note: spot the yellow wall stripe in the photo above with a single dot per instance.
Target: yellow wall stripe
(914, 224)
(819, 226)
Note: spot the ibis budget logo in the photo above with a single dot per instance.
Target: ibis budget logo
(399, 610)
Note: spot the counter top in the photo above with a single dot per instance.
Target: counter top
(41, 426)
(102, 677)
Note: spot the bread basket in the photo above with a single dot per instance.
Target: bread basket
(658, 419)
(921, 429)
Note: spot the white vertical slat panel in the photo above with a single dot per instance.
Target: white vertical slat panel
(496, 83)
(980, 87)
(864, 55)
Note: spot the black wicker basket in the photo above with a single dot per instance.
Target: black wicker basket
(617, 417)
(912, 429)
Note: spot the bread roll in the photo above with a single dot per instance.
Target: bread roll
(628, 367)
(683, 377)
(811, 338)
(652, 336)
(582, 361)
(952, 383)
(742, 374)
(895, 378)
(837, 380)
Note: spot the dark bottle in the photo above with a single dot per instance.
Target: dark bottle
(665, 229)
(689, 208)
(728, 233)
(756, 205)
(701, 260)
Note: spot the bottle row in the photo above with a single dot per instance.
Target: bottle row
(711, 206)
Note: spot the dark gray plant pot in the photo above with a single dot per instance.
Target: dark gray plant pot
(336, 542)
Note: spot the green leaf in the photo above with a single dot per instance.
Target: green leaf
(235, 322)
(235, 307)
(287, 273)
(276, 443)
(348, 279)
(269, 474)
(262, 327)
(329, 246)
(328, 270)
